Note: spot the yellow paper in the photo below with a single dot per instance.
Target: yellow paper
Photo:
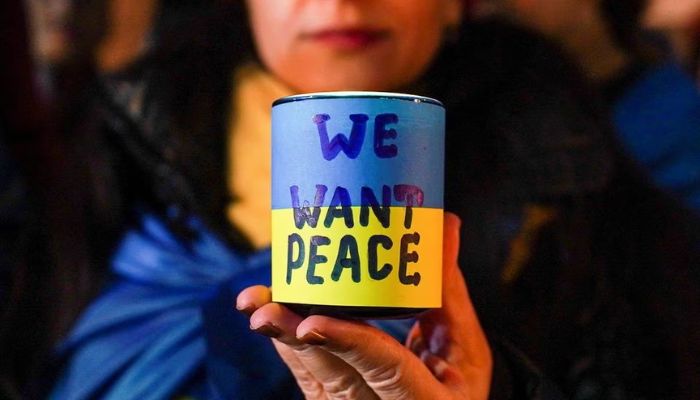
(422, 278)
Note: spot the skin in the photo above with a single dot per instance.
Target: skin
(50, 28)
(679, 20)
(124, 40)
(552, 17)
(288, 42)
(111, 33)
(382, 45)
(446, 355)
(672, 14)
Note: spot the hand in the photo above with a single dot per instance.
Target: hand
(446, 356)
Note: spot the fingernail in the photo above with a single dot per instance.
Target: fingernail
(314, 338)
(268, 330)
(247, 310)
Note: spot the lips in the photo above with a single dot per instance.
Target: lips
(347, 39)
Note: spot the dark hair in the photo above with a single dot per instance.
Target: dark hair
(197, 44)
(623, 20)
(85, 172)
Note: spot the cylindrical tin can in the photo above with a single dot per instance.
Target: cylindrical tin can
(357, 203)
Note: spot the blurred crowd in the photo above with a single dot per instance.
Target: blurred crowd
(73, 68)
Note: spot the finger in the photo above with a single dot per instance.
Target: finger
(337, 378)
(443, 371)
(390, 369)
(308, 383)
(252, 298)
(276, 321)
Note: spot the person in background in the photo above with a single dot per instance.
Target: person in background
(24, 265)
(62, 38)
(679, 22)
(653, 101)
(127, 34)
(109, 35)
(54, 51)
(573, 261)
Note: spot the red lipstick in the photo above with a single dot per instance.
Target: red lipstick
(351, 39)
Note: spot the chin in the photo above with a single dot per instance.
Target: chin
(330, 83)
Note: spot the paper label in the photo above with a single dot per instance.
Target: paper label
(357, 199)
(368, 265)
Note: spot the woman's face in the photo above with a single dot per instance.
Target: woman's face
(672, 14)
(63, 30)
(323, 45)
(50, 29)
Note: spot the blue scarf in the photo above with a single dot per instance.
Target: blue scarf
(166, 325)
(658, 121)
